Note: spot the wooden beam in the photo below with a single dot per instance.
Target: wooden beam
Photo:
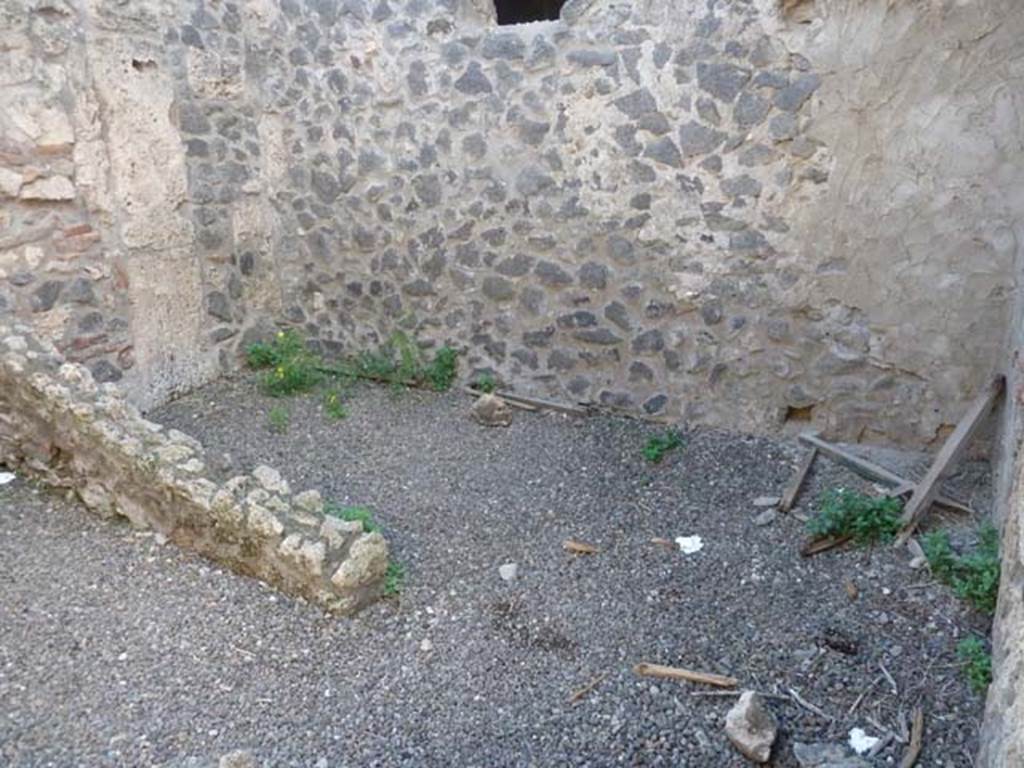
(952, 450)
(874, 471)
(793, 489)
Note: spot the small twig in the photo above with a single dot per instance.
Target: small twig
(892, 682)
(577, 695)
(808, 706)
(645, 669)
(864, 693)
(881, 744)
(883, 729)
(916, 737)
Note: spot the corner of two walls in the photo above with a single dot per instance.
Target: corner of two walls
(112, 244)
(721, 215)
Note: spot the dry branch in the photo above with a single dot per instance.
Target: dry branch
(578, 547)
(679, 673)
(916, 736)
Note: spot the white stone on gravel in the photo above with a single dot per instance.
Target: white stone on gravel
(765, 518)
(690, 544)
(823, 755)
(860, 742)
(239, 758)
(751, 727)
(6, 477)
(509, 571)
(767, 501)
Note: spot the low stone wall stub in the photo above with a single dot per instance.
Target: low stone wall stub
(58, 424)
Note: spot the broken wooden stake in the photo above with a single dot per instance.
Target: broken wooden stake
(955, 446)
(578, 547)
(823, 544)
(873, 471)
(916, 737)
(793, 489)
(679, 673)
(534, 402)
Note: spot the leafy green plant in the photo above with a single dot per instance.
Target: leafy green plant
(278, 419)
(442, 369)
(977, 663)
(659, 445)
(352, 514)
(485, 382)
(290, 366)
(974, 577)
(333, 405)
(394, 579)
(866, 518)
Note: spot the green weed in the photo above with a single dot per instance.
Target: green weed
(442, 369)
(974, 577)
(290, 366)
(333, 405)
(394, 579)
(978, 663)
(485, 382)
(352, 514)
(399, 361)
(659, 445)
(847, 513)
(278, 419)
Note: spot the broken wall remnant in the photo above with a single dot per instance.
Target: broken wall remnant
(726, 214)
(58, 424)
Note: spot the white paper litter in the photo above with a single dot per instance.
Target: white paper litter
(690, 544)
(6, 477)
(860, 742)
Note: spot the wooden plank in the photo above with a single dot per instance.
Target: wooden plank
(535, 402)
(678, 673)
(793, 489)
(823, 544)
(907, 488)
(873, 471)
(952, 450)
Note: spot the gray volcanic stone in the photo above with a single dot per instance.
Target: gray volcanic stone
(600, 336)
(587, 58)
(503, 45)
(104, 371)
(782, 127)
(649, 342)
(532, 180)
(428, 189)
(498, 289)
(593, 275)
(551, 274)
(637, 103)
(697, 139)
(45, 296)
(741, 185)
(218, 306)
(325, 186)
(750, 109)
(655, 404)
(664, 150)
(618, 314)
(473, 81)
(791, 98)
(516, 265)
(722, 80)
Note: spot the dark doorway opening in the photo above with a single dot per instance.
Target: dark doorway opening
(523, 11)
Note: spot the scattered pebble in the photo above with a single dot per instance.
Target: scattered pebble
(509, 571)
(860, 742)
(767, 501)
(751, 727)
(765, 518)
(690, 544)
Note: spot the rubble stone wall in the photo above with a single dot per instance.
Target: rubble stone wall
(58, 424)
(715, 211)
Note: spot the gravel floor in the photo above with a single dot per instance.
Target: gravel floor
(116, 650)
